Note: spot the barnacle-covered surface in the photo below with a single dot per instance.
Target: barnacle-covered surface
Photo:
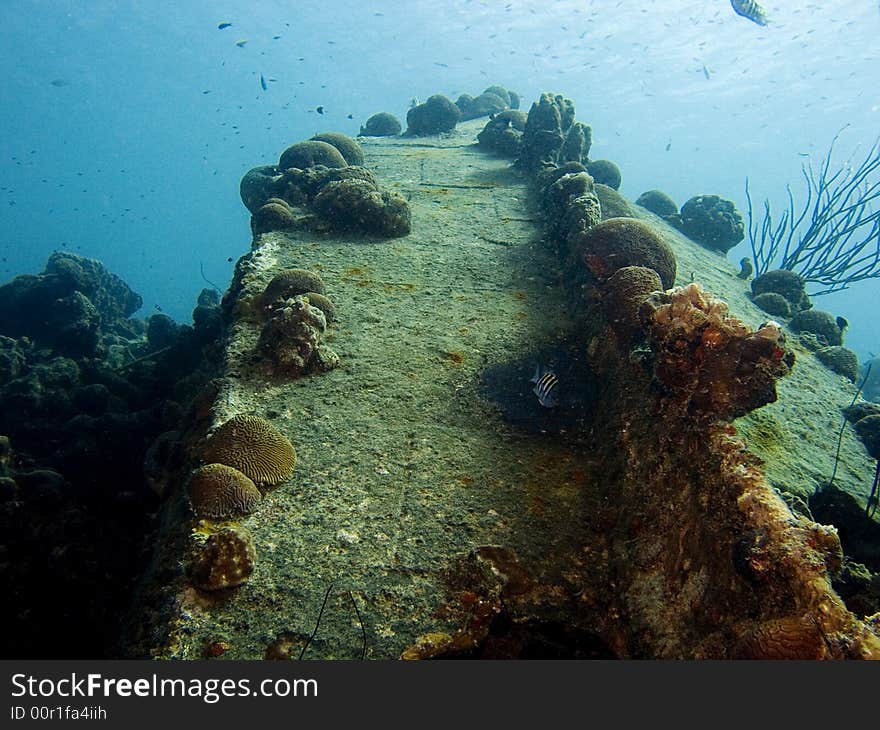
(436, 528)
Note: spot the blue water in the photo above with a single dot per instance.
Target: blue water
(127, 159)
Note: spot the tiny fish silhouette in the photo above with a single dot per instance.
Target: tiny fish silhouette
(545, 381)
(320, 110)
(224, 26)
(242, 43)
(263, 82)
(749, 9)
(706, 72)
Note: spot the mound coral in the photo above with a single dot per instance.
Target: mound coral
(274, 216)
(503, 133)
(620, 242)
(289, 283)
(218, 492)
(299, 187)
(381, 124)
(481, 106)
(605, 172)
(841, 360)
(253, 446)
(348, 148)
(225, 560)
(258, 185)
(312, 153)
(713, 222)
(658, 202)
(614, 205)
(709, 361)
(786, 284)
(358, 206)
(868, 429)
(822, 324)
(291, 339)
(623, 294)
(438, 114)
(773, 303)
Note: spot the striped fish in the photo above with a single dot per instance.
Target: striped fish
(749, 9)
(545, 381)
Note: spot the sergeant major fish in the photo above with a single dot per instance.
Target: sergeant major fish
(749, 9)
(545, 381)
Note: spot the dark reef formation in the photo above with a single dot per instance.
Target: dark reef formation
(85, 393)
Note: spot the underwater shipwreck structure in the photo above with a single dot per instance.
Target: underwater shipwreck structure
(371, 475)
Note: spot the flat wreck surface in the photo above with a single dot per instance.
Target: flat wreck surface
(408, 464)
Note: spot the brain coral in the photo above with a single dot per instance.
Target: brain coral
(322, 303)
(253, 446)
(841, 360)
(619, 242)
(310, 154)
(218, 492)
(790, 637)
(347, 147)
(301, 186)
(225, 560)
